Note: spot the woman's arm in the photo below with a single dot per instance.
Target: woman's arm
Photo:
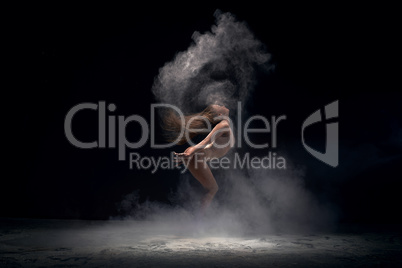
(220, 129)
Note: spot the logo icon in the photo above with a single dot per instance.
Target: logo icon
(330, 156)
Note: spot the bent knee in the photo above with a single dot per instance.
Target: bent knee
(213, 190)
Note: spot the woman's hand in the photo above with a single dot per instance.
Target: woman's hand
(186, 156)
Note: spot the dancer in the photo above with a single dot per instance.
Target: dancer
(220, 139)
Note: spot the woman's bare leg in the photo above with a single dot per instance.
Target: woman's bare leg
(201, 171)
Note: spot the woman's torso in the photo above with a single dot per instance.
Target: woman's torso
(221, 145)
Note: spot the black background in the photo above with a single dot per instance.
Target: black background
(65, 55)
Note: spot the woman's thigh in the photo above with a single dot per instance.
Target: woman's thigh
(200, 170)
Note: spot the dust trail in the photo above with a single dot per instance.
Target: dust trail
(218, 67)
(249, 202)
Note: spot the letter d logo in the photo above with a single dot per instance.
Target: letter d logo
(331, 152)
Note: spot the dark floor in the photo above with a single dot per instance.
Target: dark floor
(76, 243)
